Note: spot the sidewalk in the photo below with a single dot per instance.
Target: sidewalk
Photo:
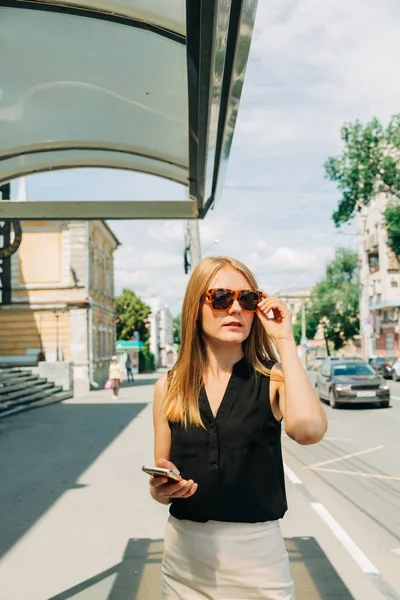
(77, 521)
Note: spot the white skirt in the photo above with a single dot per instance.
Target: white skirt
(225, 561)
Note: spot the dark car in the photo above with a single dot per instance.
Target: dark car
(344, 381)
(383, 365)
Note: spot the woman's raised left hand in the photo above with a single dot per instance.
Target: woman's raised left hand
(279, 327)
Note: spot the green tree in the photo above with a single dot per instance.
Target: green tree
(392, 221)
(132, 314)
(368, 165)
(311, 324)
(177, 330)
(334, 301)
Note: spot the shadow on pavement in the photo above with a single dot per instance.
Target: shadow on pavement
(137, 576)
(141, 382)
(363, 406)
(43, 454)
(314, 576)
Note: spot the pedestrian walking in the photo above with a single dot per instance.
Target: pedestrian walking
(128, 367)
(217, 422)
(115, 376)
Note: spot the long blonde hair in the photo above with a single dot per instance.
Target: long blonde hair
(181, 399)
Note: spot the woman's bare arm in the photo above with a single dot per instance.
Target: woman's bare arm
(162, 436)
(161, 489)
(296, 401)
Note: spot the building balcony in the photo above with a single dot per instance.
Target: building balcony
(388, 303)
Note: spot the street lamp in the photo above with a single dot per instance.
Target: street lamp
(56, 311)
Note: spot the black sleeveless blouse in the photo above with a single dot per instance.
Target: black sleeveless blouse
(237, 459)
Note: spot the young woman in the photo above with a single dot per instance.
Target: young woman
(217, 422)
(115, 374)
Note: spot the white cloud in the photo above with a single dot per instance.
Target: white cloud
(319, 64)
(172, 231)
(134, 279)
(288, 259)
(280, 126)
(159, 259)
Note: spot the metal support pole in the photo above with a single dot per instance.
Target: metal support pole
(57, 339)
(303, 324)
(194, 242)
(5, 243)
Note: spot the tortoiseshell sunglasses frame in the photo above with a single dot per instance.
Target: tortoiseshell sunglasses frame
(235, 296)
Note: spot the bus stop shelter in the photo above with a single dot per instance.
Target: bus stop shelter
(150, 86)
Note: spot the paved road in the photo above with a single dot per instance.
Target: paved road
(76, 520)
(355, 472)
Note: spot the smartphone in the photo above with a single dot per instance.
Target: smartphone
(159, 472)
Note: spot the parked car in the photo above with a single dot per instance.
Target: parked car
(316, 362)
(344, 381)
(396, 370)
(383, 365)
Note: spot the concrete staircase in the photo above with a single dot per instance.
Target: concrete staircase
(21, 389)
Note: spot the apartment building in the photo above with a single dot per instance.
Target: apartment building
(379, 284)
(161, 333)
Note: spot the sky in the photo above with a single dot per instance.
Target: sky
(313, 65)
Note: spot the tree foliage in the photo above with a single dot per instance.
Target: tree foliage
(132, 314)
(334, 301)
(392, 222)
(368, 165)
(177, 330)
(311, 325)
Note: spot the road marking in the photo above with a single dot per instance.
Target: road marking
(335, 439)
(394, 397)
(355, 552)
(361, 474)
(347, 542)
(292, 475)
(344, 457)
(396, 551)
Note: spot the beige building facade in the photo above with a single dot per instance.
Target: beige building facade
(379, 284)
(62, 299)
(294, 298)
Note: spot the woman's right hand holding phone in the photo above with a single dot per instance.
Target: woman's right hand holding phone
(164, 488)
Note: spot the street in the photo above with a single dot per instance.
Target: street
(355, 473)
(77, 522)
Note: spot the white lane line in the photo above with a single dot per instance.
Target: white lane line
(355, 552)
(360, 474)
(335, 439)
(344, 457)
(394, 397)
(292, 475)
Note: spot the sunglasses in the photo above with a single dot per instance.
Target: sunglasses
(221, 299)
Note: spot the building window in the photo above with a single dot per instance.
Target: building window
(373, 262)
(390, 343)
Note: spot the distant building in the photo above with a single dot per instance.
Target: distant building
(294, 298)
(62, 299)
(161, 333)
(379, 284)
